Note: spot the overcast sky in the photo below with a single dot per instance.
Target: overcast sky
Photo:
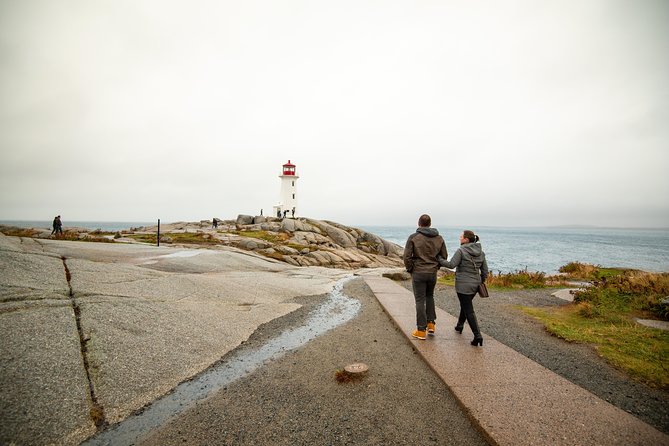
(479, 113)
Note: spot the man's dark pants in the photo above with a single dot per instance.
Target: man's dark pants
(423, 291)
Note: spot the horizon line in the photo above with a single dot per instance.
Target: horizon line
(510, 226)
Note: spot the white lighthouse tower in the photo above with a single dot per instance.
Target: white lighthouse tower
(288, 199)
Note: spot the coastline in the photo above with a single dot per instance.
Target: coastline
(510, 250)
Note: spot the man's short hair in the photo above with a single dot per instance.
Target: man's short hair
(424, 221)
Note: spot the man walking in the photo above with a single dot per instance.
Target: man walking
(420, 259)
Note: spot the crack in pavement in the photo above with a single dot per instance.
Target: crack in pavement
(97, 412)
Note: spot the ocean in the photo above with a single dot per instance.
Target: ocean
(547, 249)
(512, 249)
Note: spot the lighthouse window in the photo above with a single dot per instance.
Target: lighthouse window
(293, 196)
(293, 183)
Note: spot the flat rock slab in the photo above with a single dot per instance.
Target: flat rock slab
(566, 294)
(660, 325)
(150, 318)
(43, 377)
(514, 400)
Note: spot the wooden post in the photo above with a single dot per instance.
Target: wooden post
(158, 232)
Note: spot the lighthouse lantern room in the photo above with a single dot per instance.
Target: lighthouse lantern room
(288, 199)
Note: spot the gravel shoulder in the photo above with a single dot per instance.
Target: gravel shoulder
(579, 363)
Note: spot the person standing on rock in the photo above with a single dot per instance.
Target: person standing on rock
(57, 226)
(471, 269)
(420, 259)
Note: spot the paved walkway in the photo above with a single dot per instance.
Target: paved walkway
(512, 399)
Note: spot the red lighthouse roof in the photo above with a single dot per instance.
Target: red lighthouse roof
(288, 168)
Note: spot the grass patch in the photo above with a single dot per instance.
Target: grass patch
(640, 351)
(603, 315)
(195, 238)
(185, 238)
(13, 231)
(272, 237)
(144, 238)
(95, 236)
(447, 279)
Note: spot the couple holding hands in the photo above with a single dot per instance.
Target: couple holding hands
(424, 253)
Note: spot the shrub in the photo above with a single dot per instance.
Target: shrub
(519, 279)
(578, 270)
(586, 271)
(630, 291)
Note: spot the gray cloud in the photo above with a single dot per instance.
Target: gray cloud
(507, 113)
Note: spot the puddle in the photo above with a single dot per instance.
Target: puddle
(336, 310)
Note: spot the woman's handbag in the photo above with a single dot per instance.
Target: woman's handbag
(483, 288)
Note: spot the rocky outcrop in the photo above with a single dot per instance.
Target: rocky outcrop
(298, 241)
(308, 242)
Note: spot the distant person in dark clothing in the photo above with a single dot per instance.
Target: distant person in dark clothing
(420, 259)
(293, 212)
(214, 223)
(57, 226)
(471, 269)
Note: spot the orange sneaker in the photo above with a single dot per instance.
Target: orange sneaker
(418, 334)
(430, 328)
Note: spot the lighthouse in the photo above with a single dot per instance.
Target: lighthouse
(288, 199)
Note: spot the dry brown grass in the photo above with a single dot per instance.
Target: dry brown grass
(13, 231)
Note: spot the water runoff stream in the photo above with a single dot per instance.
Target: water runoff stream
(336, 310)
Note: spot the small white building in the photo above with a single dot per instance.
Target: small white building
(288, 199)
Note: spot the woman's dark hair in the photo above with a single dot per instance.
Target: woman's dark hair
(469, 235)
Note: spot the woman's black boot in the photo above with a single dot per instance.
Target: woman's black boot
(477, 341)
(458, 329)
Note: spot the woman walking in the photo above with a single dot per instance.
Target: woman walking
(471, 269)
